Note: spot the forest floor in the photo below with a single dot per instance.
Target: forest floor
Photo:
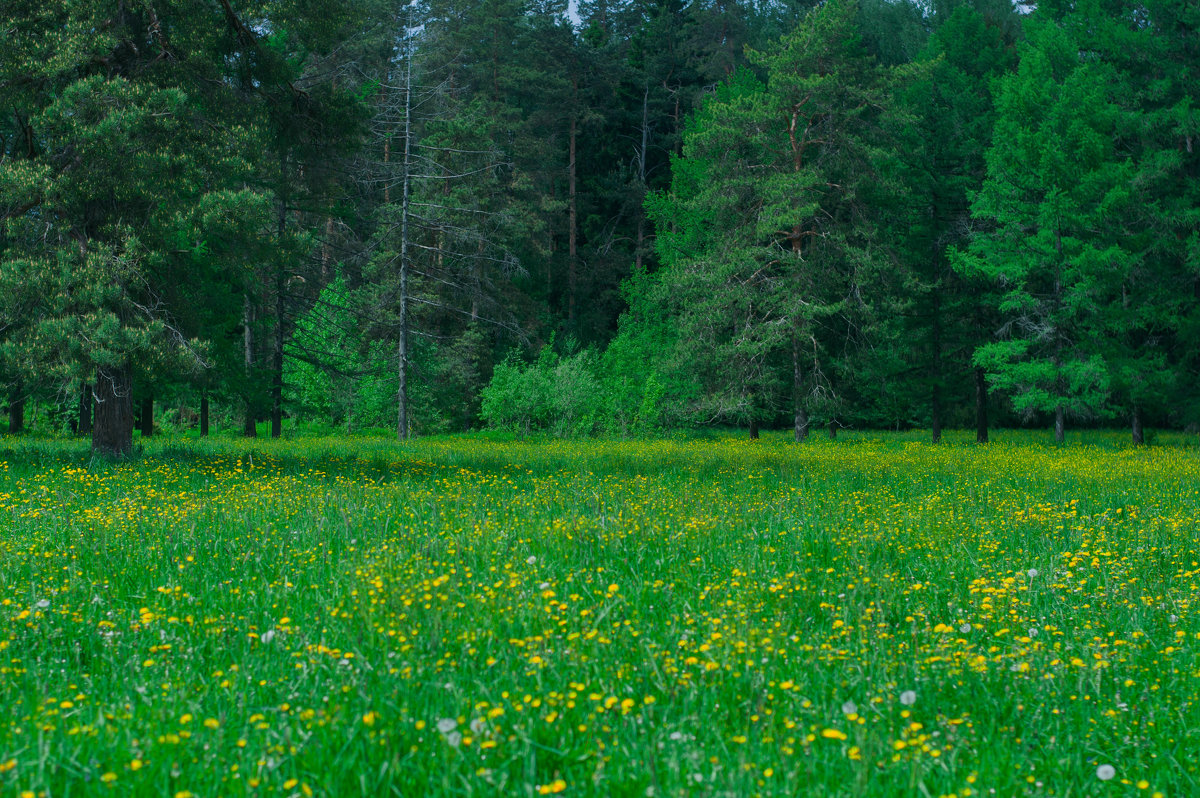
(467, 615)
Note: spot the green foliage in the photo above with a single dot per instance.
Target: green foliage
(558, 395)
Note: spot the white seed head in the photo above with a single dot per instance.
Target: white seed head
(908, 698)
(447, 725)
(1105, 772)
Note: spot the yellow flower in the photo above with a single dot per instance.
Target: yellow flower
(135, 764)
(833, 734)
(368, 718)
(108, 777)
(558, 785)
(290, 783)
(211, 723)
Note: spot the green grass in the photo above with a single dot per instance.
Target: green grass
(474, 615)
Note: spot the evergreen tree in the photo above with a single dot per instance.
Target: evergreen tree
(1056, 190)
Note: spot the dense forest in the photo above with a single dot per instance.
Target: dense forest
(615, 217)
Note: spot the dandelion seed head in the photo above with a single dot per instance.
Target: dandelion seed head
(908, 698)
(1105, 772)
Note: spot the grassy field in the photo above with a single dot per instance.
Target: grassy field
(456, 616)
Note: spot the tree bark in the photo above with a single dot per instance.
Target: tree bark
(1059, 424)
(16, 416)
(1139, 436)
(833, 429)
(112, 432)
(203, 415)
(642, 154)
(277, 366)
(981, 407)
(754, 429)
(572, 234)
(277, 343)
(85, 410)
(147, 426)
(249, 428)
(799, 416)
(402, 420)
(935, 399)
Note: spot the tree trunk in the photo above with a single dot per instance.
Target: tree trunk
(1059, 424)
(277, 369)
(572, 234)
(935, 399)
(277, 343)
(799, 416)
(85, 410)
(402, 421)
(754, 429)
(249, 428)
(1139, 437)
(112, 431)
(16, 416)
(203, 415)
(833, 429)
(981, 407)
(147, 419)
(642, 154)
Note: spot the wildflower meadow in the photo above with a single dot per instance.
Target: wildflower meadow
(477, 616)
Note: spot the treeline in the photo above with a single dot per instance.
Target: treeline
(618, 217)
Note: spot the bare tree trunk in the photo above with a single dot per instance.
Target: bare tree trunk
(147, 416)
(277, 343)
(753, 429)
(641, 162)
(112, 432)
(799, 416)
(572, 234)
(327, 249)
(1059, 424)
(935, 403)
(1139, 436)
(981, 407)
(277, 367)
(402, 420)
(833, 429)
(249, 427)
(203, 414)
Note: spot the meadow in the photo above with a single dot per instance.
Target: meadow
(477, 616)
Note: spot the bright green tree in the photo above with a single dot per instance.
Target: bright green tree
(1056, 191)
